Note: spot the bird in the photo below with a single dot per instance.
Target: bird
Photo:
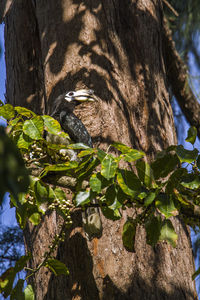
(62, 111)
(63, 108)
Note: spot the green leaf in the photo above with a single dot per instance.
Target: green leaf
(128, 234)
(6, 281)
(51, 125)
(149, 198)
(13, 174)
(196, 274)
(110, 213)
(168, 233)
(29, 293)
(186, 155)
(153, 227)
(35, 218)
(21, 263)
(191, 181)
(60, 167)
(101, 154)
(86, 152)
(174, 180)
(165, 205)
(8, 277)
(57, 267)
(129, 182)
(121, 147)
(82, 198)
(133, 155)
(7, 111)
(95, 183)
(164, 165)
(24, 141)
(108, 167)
(145, 173)
(24, 111)
(192, 134)
(78, 146)
(43, 192)
(34, 128)
(114, 197)
(86, 171)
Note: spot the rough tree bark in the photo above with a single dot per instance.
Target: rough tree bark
(115, 48)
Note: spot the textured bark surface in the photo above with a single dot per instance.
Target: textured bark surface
(115, 48)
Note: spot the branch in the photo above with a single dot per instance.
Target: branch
(171, 8)
(177, 76)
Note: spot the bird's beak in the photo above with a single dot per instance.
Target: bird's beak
(81, 96)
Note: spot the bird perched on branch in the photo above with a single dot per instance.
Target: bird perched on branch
(62, 111)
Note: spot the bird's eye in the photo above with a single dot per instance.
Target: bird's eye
(71, 94)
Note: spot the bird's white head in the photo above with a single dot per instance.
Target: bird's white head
(80, 96)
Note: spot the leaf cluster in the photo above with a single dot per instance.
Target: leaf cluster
(158, 191)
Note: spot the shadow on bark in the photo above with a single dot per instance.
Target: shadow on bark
(81, 283)
(120, 45)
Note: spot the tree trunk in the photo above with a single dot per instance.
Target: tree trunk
(115, 48)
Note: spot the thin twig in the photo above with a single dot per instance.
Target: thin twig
(171, 8)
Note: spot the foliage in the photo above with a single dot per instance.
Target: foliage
(157, 191)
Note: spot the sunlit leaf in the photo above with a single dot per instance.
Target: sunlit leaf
(108, 167)
(95, 183)
(24, 111)
(165, 205)
(168, 233)
(149, 198)
(82, 197)
(34, 128)
(121, 147)
(78, 146)
(133, 155)
(129, 182)
(192, 134)
(7, 111)
(88, 151)
(24, 141)
(60, 167)
(35, 218)
(51, 125)
(191, 181)
(29, 293)
(145, 173)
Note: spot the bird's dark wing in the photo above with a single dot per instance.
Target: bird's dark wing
(75, 128)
